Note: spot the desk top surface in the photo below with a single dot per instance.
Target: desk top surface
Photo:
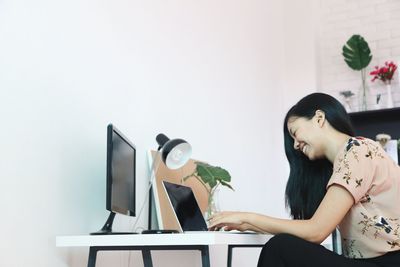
(190, 238)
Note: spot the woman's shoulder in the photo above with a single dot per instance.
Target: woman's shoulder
(362, 149)
(359, 147)
(361, 143)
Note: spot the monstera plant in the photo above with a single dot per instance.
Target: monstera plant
(210, 177)
(357, 55)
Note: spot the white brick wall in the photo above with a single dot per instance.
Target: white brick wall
(378, 21)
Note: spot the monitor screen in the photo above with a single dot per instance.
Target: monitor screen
(121, 174)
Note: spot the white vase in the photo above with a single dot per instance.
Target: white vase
(389, 98)
(377, 101)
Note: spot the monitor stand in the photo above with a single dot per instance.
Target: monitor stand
(107, 228)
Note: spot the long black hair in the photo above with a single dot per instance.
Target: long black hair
(307, 181)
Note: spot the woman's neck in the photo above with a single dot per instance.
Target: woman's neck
(336, 142)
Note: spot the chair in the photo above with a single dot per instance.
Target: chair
(336, 243)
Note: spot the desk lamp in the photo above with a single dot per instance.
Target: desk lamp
(175, 153)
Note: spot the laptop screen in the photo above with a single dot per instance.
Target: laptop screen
(185, 206)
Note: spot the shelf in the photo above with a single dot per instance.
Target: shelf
(378, 112)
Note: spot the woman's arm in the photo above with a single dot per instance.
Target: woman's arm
(334, 206)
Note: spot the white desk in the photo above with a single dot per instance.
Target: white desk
(146, 243)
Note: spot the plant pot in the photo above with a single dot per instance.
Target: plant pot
(213, 205)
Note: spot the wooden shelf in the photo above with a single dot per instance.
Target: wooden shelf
(372, 122)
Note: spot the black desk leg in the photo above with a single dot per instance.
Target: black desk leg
(92, 257)
(205, 256)
(229, 256)
(147, 258)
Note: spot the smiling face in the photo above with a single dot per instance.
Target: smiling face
(308, 135)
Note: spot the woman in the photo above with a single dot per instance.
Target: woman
(335, 179)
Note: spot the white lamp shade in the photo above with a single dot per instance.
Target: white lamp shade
(178, 156)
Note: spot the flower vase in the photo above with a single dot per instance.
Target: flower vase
(212, 205)
(389, 98)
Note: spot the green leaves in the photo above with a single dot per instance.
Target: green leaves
(226, 184)
(356, 53)
(211, 175)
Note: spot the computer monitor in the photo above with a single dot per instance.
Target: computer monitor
(120, 180)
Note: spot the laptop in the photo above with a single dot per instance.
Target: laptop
(185, 207)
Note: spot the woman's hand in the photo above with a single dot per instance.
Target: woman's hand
(228, 221)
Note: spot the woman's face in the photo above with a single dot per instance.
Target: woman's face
(307, 135)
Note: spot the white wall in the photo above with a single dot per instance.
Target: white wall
(217, 73)
(300, 27)
(378, 21)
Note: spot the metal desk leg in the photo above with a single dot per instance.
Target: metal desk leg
(205, 256)
(146, 253)
(92, 257)
(229, 264)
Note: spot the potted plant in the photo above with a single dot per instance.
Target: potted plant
(357, 56)
(211, 177)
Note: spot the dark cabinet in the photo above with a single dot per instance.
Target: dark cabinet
(372, 122)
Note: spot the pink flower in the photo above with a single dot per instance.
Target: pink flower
(385, 73)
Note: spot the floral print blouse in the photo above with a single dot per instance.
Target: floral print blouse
(371, 228)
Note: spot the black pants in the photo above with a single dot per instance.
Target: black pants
(286, 250)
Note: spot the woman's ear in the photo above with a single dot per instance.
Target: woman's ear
(319, 117)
